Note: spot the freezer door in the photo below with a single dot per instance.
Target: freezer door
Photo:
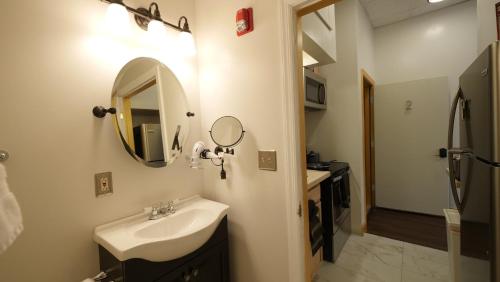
(152, 143)
(476, 221)
(475, 116)
(495, 200)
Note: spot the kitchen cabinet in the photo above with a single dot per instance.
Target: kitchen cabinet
(319, 36)
(315, 195)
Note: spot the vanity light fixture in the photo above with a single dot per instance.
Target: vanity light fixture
(186, 40)
(156, 29)
(434, 1)
(151, 21)
(117, 13)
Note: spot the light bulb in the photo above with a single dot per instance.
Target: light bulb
(117, 19)
(157, 32)
(186, 43)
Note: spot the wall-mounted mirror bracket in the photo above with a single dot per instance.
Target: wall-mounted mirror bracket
(201, 152)
(100, 111)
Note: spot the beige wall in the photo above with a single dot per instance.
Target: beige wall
(240, 76)
(366, 42)
(56, 65)
(337, 132)
(486, 24)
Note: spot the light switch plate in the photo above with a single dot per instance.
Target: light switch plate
(267, 160)
(103, 183)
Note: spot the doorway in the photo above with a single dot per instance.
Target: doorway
(296, 84)
(368, 91)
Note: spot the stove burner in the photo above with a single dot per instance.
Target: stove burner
(334, 167)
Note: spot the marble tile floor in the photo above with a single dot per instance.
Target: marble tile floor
(372, 258)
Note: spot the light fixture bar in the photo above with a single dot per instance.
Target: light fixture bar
(139, 13)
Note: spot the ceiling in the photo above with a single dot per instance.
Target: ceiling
(384, 12)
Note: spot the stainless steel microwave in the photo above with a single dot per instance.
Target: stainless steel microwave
(315, 90)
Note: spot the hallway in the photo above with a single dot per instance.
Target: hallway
(420, 229)
(371, 258)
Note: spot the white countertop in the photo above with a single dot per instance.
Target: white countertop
(314, 177)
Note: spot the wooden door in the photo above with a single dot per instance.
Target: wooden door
(368, 86)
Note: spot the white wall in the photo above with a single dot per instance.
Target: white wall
(440, 43)
(57, 63)
(241, 76)
(408, 175)
(486, 23)
(148, 99)
(337, 132)
(366, 42)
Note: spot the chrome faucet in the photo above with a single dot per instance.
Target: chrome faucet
(161, 210)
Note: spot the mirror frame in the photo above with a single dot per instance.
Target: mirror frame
(232, 145)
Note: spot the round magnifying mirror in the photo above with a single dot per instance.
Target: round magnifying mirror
(227, 131)
(152, 117)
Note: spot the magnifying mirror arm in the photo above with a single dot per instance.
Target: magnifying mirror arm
(207, 154)
(200, 152)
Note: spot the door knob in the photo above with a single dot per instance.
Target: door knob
(443, 153)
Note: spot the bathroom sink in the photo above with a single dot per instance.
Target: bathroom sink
(166, 238)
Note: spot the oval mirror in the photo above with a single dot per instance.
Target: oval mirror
(152, 117)
(227, 131)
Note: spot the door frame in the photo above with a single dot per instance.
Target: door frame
(294, 133)
(367, 93)
(127, 109)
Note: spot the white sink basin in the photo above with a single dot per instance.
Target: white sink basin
(166, 238)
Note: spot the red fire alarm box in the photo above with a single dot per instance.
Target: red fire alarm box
(244, 21)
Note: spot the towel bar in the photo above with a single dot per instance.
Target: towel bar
(4, 155)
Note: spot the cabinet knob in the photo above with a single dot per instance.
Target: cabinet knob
(187, 277)
(195, 272)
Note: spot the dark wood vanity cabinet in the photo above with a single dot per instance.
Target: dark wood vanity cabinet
(210, 263)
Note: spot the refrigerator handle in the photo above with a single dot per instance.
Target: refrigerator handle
(453, 152)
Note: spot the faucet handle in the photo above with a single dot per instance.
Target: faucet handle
(157, 208)
(170, 207)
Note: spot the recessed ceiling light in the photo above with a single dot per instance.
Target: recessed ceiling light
(434, 1)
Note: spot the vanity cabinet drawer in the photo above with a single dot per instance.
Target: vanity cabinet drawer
(208, 267)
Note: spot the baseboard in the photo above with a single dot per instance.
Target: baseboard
(410, 212)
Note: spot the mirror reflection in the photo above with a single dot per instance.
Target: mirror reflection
(227, 131)
(151, 112)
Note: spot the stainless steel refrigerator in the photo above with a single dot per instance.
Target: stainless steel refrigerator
(149, 142)
(475, 167)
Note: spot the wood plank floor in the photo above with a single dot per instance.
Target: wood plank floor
(420, 229)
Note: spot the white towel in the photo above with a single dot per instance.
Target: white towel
(11, 221)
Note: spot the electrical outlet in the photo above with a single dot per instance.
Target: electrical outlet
(103, 183)
(267, 160)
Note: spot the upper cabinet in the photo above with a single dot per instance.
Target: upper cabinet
(319, 39)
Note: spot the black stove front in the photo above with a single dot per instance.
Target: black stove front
(335, 207)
